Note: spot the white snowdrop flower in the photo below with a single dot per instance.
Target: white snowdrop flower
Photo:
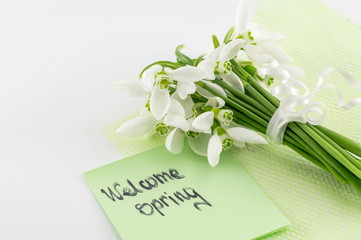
(224, 138)
(133, 88)
(180, 117)
(158, 80)
(138, 126)
(260, 43)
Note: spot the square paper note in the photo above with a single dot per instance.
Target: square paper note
(158, 195)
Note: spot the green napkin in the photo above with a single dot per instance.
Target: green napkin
(158, 195)
(318, 206)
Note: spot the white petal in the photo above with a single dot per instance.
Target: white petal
(262, 34)
(239, 144)
(188, 107)
(145, 112)
(276, 52)
(193, 129)
(231, 50)
(214, 55)
(274, 72)
(132, 88)
(204, 121)
(187, 74)
(200, 144)
(245, 135)
(294, 71)
(137, 127)
(242, 16)
(175, 141)
(185, 88)
(256, 54)
(204, 93)
(281, 91)
(215, 102)
(207, 94)
(206, 131)
(216, 88)
(214, 150)
(177, 121)
(176, 107)
(208, 66)
(148, 76)
(233, 80)
(159, 102)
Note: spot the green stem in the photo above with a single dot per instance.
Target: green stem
(248, 124)
(264, 101)
(305, 154)
(331, 150)
(328, 147)
(291, 136)
(242, 74)
(341, 140)
(338, 153)
(242, 96)
(332, 165)
(266, 94)
(236, 106)
(171, 65)
(250, 108)
(320, 145)
(288, 141)
(294, 139)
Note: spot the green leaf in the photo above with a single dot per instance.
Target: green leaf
(215, 41)
(199, 59)
(168, 64)
(182, 57)
(251, 70)
(229, 35)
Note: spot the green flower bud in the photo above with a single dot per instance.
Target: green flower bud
(227, 143)
(226, 140)
(269, 80)
(247, 36)
(147, 105)
(224, 116)
(192, 135)
(161, 129)
(223, 67)
(250, 36)
(198, 108)
(163, 80)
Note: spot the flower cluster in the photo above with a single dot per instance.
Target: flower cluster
(181, 99)
(243, 89)
(179, 107)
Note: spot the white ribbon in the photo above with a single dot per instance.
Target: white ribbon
(312, 112)
(290, 85)
(350, 80)
(297, 108)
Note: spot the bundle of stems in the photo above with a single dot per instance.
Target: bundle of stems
(175, 89)
(247, 101)
(325, 148)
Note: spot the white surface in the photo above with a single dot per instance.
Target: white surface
(58, 62)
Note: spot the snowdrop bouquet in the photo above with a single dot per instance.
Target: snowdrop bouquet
(245, 90)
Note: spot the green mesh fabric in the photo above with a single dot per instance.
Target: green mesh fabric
(318, 206)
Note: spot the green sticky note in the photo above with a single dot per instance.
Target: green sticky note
(158, 195)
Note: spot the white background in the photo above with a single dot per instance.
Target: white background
(58, 62)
